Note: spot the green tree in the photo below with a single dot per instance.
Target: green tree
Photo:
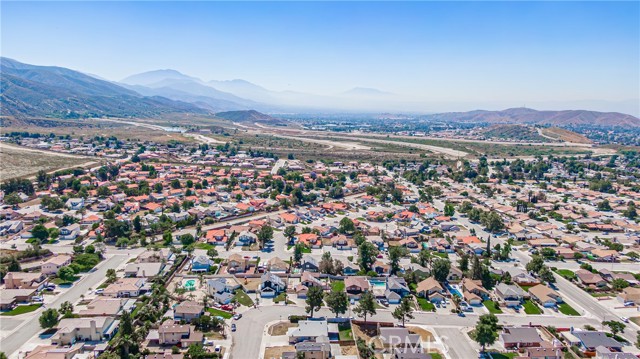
(338, 302)
(449, 210)
(137, 224)
(111, 275)
(493, 221)
(395, 254)
(631, 212)
(615, 326)
(536, 264)
(619, 284)
(265, 234)
(167, 238)
(290, 232)
(187, 239)
(347, 226)
(66, 273)
(66, 308)
(366, 306)
(40, 232)
(366, 255)
(441, 268)
(298, 251)
(463, 262)
(403, 311)
(486, 330)
(314, 299)
(546, 275)
(49, 318)
(14, 265)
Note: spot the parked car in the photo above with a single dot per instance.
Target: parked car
(461, 314)
(99, 291)
(624, 319)
(237, 316)
(233, 327)
(218, 348)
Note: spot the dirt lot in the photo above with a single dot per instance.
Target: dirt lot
(21, 161)
(281, 328)
(348, 350)
(276, 352)
(425, 335)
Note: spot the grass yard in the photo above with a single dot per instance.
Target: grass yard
(242, 298)
(346, 333)
(435, 355)
(60, 281)
(566, 273)
(337, 285)
(503, 355)
(492, 306)
(219, 313)
(21, 309)
(280, 298)
(566, 309)
(531, 308)
(426, 305)
(205, 246)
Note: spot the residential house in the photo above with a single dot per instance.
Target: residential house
(431, 289)
(590, 279)
(544, 295)
(630, 295)
(70, 232)
(277, 265)
(309, 331)
(170, 333)
(520, 337)
(188, 311)
(271, 285)
(92, 329)
(53, 264)
(221, 289)
(509, 294)
(313, 350)
(309, 263)
(356, 285)
(24, 280)
(143, 270)
(236, 264)
(590, 340)
(126, 288)
(201, 263)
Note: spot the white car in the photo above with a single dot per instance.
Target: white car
(624, 319)
(99, 291)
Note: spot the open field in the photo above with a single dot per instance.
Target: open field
(18, 161)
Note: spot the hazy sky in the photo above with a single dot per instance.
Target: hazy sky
(458, 51)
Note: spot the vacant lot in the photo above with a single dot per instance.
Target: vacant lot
(21, 161)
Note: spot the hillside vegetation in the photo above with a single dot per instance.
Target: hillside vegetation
(560, 134)
(514, 133)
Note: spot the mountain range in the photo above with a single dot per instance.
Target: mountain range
(524, 115)
(48, 91)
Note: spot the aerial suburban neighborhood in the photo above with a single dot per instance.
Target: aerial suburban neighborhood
(319, 179)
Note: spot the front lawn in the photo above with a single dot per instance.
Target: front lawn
(492, 306)
(219, 313)
(426, 305)
(242, 298)
(525, 287)
(566, 309)
(503, 355)
(531, 308)
(566, 273)
(21, 309)
(204, 245)
(337, 285)
(60, 281)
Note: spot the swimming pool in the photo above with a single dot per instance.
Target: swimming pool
(377, 283)
(189, 284)
(455, 290)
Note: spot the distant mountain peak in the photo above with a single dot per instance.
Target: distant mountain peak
(154, 76)
(366, 91)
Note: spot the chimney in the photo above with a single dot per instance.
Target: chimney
(92, 325)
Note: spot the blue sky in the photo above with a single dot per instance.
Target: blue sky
(455, 51)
